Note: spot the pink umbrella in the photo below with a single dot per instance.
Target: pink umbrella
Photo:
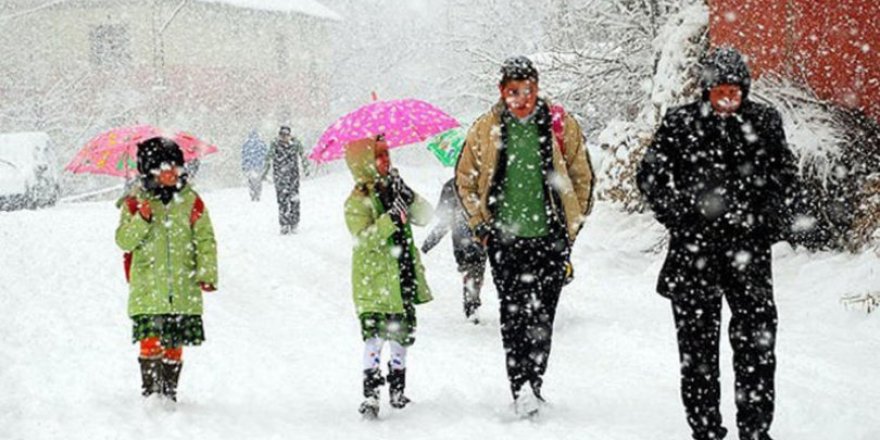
(114, 152)
(402, 121)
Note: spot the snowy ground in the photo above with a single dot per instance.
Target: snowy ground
(283, 354)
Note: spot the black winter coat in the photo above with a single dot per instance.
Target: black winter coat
(723, 187)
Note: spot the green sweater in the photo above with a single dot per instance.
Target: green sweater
(522, 209)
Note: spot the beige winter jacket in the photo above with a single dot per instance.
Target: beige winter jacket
(572, 180)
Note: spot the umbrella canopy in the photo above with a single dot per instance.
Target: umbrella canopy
(447, 146)
(402, 121)
(114, 152)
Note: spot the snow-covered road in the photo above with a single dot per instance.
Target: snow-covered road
(282, 357)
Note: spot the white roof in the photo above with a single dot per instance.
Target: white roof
(307, 7)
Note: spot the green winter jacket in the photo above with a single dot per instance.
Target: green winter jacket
(375, 271)
(170, 256)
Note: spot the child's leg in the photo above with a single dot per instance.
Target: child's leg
(172, 363)
(151, 348)
(397, 375)
(398, 356)
(173, 354)
(373, 353)
(150, 360)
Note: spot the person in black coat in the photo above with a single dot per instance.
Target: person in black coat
(470, 255)
(721, 178)
(284, 157)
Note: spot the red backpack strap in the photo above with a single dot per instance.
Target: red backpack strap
(557, 117)
(132, 204)
(197, 210)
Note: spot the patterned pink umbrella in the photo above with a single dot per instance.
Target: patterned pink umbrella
(402, 121)
(114, 152)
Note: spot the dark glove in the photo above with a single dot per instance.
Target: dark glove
(391, 202)
(401, 189)
(385, 194)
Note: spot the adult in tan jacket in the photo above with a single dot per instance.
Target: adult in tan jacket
(524, 180)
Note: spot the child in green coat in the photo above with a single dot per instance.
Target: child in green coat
(171, 257)
(388, 278)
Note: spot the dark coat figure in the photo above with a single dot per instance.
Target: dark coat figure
(470, 255)
(285, 155)
(723, 186)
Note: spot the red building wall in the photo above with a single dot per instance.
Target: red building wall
(831, 45)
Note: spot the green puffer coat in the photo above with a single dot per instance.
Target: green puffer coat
(375, 271)
(170, 256)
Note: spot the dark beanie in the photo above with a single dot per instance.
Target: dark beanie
(518, 68)
(725, 65)
(153, 152)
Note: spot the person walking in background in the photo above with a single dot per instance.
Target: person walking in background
(285, 157)
(253, 163)
(722, 180)
(387, 276)
(171, 258)
(470, 255)
(525, 182)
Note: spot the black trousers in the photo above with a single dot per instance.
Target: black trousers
(752, 334)
(287, 193)
(528, 274)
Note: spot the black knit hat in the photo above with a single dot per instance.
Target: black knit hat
(725, 65)
(153, 152)
(518, 68)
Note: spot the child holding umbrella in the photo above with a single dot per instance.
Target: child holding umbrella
(171, 258)
(388, 279)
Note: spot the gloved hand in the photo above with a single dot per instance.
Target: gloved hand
(400, 188)
(399, 210)
(207, 287)
(144, 209)
(385, 194)
(392, 201)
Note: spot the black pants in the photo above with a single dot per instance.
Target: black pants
(472, 282)
(287, 193)
(528, 274)
(752, 334)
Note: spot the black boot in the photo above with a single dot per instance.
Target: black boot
(170, 376)
(151, 375)
(396, 385)
(372, 381)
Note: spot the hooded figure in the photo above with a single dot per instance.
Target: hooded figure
(166, 232)
(253, 160)
(387, 276)
(720, 177)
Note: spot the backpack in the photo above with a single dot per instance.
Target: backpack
(132, 204)
(557, 118)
